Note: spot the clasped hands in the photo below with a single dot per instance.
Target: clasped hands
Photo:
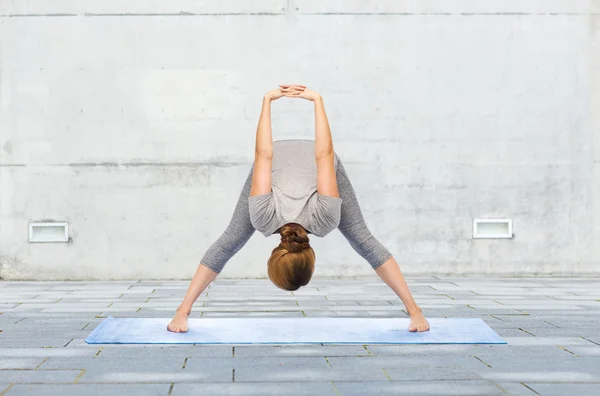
(292, 91)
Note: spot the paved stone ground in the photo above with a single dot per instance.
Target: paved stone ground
(552, 326)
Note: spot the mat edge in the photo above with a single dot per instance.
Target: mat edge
(92, 335)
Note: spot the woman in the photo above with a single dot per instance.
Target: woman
(294, 188)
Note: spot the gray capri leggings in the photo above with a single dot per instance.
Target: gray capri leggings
(352, 226)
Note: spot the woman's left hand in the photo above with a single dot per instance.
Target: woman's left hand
(300, 91)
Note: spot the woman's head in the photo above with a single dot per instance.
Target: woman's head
(292, 263)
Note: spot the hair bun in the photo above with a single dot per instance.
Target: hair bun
(294, 238)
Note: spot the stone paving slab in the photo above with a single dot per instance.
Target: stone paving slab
(20, 363)
(258, 389)
(588, 350)
(158, 351)
(308, 374)
(39, 376)
(45, 342)
(585, 364)
(566, 389)
(431, 372)
(551, 326)
(554, 352)
(428, 350)
(562, 331)
(213, 374)
(17, 334)
(410, 364)
(90, 390)
(122, 364)
(301, 350)
(20, 352)
(548, 341)
(591, 321)
(540, 375)
(261, 365)
(593, 339)
(419, 388)
(320, 314)
(516, 389)
(504, 332)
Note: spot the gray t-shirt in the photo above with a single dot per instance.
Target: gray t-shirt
(294, 197)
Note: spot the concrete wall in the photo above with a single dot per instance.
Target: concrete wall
(134, 121)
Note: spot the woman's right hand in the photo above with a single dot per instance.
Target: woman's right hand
(283, 91)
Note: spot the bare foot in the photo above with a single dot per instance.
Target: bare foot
(179, 323)
(418, 322)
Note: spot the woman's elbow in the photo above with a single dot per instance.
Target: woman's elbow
(324, 153)
(263, 154)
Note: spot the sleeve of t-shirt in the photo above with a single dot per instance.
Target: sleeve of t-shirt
(262, 211)
(327, 214)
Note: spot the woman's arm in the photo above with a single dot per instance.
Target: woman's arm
(323, 141)
(325, 157)
(263, 153)
(326, 180)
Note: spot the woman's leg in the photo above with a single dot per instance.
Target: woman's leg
(355, 230)
(236, 235)
(353, 227)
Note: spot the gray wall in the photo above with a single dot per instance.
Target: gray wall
(134, 121)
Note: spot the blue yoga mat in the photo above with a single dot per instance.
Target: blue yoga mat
(293, 331)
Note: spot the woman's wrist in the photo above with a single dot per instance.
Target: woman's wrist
(267, 98)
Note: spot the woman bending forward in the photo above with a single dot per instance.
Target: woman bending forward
(296, 188)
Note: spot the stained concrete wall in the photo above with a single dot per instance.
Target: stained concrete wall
(134, 121)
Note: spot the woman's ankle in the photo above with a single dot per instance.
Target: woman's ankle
(184, 311)
(416, 310)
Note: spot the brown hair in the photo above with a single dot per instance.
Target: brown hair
(292, 263)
